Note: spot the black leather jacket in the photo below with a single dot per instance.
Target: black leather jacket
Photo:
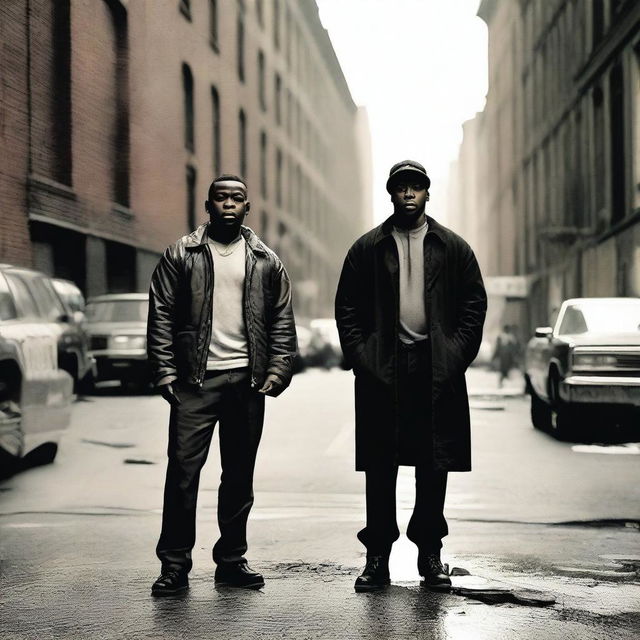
(180, 303)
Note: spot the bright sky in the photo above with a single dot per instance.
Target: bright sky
(420, 69)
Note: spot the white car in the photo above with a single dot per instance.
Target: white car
(35, 395)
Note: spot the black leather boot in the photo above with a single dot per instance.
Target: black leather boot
(433, 572)
(170, 583)
(238, 575)
(375, 575)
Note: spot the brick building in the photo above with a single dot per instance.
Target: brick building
(116, 114)
(556, 154)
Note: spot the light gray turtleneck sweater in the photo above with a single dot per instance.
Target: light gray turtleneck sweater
(413, 317)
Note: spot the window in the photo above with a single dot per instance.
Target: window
(263, 164)
(61, 94)
(121, 125)
(187, 91)
(276, 23)
(240, 42)
(22, 297)
(47, 302)
(614, 8)
(121, 262)
(278, 98)
(215, 130)
(185, 9)
(261, 84)
(264, 227)
(260, 12)
(213, 23)
(118, 311)
(573, 322)
(599, 146)
(242, 140)
(191, 197)
(289, 111)
(597, 21)
(288, 28)
(278, 177)
(617, 122)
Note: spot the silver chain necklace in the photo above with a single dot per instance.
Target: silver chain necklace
(227, 252)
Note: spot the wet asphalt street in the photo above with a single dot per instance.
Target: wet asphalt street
(77, 537)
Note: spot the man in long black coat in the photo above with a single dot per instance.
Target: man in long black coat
(410, 307)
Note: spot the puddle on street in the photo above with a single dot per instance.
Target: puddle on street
(114, 445)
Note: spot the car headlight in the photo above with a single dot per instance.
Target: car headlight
(128, 342)
(588, 361)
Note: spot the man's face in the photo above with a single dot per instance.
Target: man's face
(409, 196)
(228, 205)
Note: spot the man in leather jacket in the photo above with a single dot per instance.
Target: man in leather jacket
(221, 336)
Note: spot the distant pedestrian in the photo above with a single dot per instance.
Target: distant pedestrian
(410, 308)
(505, 353)
(221, 335)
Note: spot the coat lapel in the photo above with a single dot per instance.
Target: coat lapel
(434, 259)
(434, 252)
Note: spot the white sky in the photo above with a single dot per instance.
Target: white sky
(420, 69)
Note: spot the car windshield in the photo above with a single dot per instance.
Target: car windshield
(118, 311)
(612, 316)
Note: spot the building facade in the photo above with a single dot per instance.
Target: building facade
(118, 114)
(559, 153)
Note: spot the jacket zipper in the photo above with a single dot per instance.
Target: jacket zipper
(248, 318)
(208, 298)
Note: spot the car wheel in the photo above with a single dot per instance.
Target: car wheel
(563, 416)
(44, 454)
(13, 436)
(540, 413)
(9, 464)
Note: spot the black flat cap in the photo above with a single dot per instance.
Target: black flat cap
(405, 166)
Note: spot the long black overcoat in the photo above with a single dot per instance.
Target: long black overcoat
(367, 315)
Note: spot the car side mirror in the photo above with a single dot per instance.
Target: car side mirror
(544, 332)
(64, 317)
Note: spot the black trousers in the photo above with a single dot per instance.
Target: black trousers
(225, 397)
(427, 525)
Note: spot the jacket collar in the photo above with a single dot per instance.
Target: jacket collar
(198, 238)
(435, 228)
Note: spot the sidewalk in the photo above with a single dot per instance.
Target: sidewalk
(482, 382)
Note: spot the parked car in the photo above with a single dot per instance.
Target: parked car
(324, 346)
(301, 361)
(589, 360)
(71, 296)
(72, 339)
(35, 395)
(117, 327)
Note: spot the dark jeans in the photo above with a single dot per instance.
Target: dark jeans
(427, 525)
(227, 397)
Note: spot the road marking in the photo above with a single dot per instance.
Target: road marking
(631, 448)
(340, 443)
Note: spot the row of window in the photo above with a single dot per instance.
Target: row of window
(308, 138)
(298, 126)
(567, 23)
(558, 174)
(292, 33)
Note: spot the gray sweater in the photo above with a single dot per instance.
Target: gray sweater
(413, 317)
